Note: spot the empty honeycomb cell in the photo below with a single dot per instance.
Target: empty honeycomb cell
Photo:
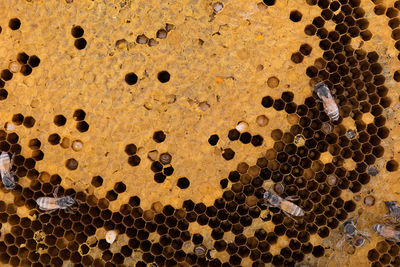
(59, 120)
(159, 136)
(236, 259)
(152, 42)
(79, 115)
(119, 187)
(71, 164)
(134, 160)
(295, 16)
(14, 24)
(311, 71)
(384, 259)
(131, 78)
(34, 61)
(382, 246)
(279, 104)
(77, 31)
(130, 149)
(286, 253)
(97, 181)
(324, 45)
(266, 102)
(394, 250)
(80, 43)
(54, 139)
(234, 134)
(269, 2)
(327, 14)
(245, 137)
(82, 126)
(392, 12)
(3, 94)
(168, 171)
(392, 165)
(341, 28)
(394, 23)
(228, 154)
(6, 75)
(163, 76)
(142, 39)
(213, 139)
(385, 102)
(161, 34)
(296, 58)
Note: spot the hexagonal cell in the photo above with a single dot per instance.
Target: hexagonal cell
(296, 58)
(310, 30)
(228, 154)
(295, 16)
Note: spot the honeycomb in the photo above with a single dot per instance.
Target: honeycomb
(168, 121)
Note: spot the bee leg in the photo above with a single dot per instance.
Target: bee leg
(268, 205)
(50, 211)
(389, 219)
(292, 198)
(289, 215)
(365, 235)
(73, 208)
(12, 160)
(56, 191)
(67, 210)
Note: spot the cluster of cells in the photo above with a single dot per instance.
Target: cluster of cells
(162, 167)
(394, 23)
(24, 64)
(160, 34)
(290, 167)
(134, 159)
(77, 32)
(386, 253)
(20, 119)
(245, 137)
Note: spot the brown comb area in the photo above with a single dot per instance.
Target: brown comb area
(140, 126)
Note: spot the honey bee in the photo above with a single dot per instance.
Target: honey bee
(289, 209)
(7, 175)
(352, 235)
(394, 211)
(51, 204)
(389, 232)
(330, 106)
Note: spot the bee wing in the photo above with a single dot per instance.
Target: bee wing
(4, 162)
(340, 242)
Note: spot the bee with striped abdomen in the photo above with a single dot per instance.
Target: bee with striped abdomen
(51, 204)
(389, 232)
(330, 106)
(394, 211)
(355, 237)
(7, 175)
(288, 207)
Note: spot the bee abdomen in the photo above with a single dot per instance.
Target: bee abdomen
(298, 212)
(41, 201)
(334, 115)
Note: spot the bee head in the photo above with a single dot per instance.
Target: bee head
(67, 201)
(349, 227)
(9, 183)
(267, 194)
(390, 204)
